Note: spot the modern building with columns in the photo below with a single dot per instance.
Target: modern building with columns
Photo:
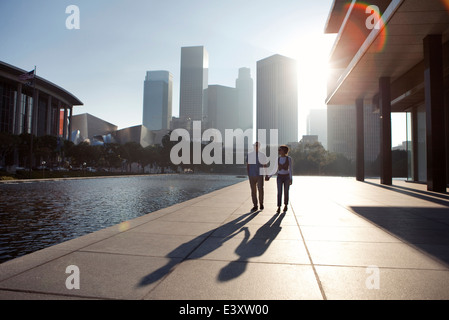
(19, 114)
(395, 59)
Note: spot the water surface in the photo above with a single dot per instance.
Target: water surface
(39, 214)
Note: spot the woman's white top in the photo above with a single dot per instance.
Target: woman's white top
(282, 161)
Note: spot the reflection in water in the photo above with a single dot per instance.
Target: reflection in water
(36, 215)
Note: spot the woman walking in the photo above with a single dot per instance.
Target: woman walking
(284, 176)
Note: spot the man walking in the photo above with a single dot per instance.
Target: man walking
(255, 161)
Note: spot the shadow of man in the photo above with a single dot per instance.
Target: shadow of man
(250, 248)
(182, 252)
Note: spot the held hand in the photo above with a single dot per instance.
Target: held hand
(267, 178)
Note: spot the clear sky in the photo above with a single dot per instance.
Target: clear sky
(104, 62)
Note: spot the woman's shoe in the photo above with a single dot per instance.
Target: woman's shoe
(278, 210)
(285, 208)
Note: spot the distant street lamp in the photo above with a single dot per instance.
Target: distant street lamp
(43, 169)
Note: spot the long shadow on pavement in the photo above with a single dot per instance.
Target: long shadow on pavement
(185, 250)
(254, 247)
(425, 228)
(438, 198)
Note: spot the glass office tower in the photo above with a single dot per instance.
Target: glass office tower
(157, 100)
(194, 80)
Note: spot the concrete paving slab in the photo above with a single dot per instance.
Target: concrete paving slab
(14, 295)
(224, 280)
(254, 250)
(102, 275)
(265, 216)
(177, 228)
(392, 255)
(266, 231)
(344, 234)
(355, 283)
(32, 260)
(332, 220)
(144, 244)
(200, 214)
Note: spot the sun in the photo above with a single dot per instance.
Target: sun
(312, 56)
(311, 53)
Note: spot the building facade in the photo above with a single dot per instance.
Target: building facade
(86, 127)
(398, 64)
(277, 97)
(222, 108)
(138, 134)
(317, 125)
(342, 132)
(245, 99)
(34, 106)
(193, 82)
(157, 100)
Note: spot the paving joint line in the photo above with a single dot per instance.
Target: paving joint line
(317, 277)
(186, 257)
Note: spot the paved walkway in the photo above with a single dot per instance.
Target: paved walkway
(340, 239)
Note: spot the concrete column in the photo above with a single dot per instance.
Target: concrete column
(58, 123)
(360, 138)
(70, 123)
(49, 111)
(446, 124)
(435, 115)
(64, 124)
(18, 119)
(35, 112)
(386, 174)
(415, 164)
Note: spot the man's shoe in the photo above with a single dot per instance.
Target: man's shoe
(261, 207)
(255, 208)
(278, 210)
(285, 208)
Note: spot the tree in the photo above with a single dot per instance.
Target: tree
(46, 148)
(132, 153)
(8, 143)
(24, 148)
(112, 154)
(339, 165)
(313, 159)
(165, 149)
(151, 155)
(84, 153)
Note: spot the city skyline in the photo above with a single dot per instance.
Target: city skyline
(103, 61)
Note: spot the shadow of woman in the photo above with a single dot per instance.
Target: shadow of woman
(182, 252)
(250, 248)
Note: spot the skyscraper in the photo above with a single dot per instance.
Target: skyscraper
(342, 132)
(194, 80)
(277, 97)
(157, 100)
(222, 112)
(245, 98)
(317, 125)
